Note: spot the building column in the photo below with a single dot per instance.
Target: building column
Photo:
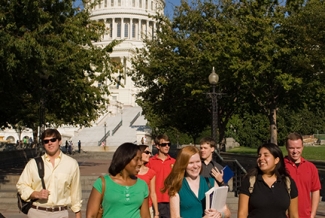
(147, 28)
(114, 29)
(131, 28)
(139, 29)
(122, 28)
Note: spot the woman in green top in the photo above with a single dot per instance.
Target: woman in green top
(125, 195)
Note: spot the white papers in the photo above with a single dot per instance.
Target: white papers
(216, 198)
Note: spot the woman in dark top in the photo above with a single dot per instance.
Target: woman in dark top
(273, 193)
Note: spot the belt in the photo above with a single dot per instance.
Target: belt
(50, 209)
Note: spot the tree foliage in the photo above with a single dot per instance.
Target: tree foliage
(262, 50)
(47, 59)
(173, 70)
(251, 130)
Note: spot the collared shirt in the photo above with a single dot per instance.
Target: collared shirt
(268, 202)
(192, 206)
(307, 181)
(162, 169)
(206, 168)
(62, 181)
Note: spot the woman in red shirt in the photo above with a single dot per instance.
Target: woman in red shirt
(149, 176)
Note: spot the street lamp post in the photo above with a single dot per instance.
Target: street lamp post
(105, 132)
(213, 80)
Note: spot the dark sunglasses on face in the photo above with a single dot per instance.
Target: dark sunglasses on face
(45, 141)
(147, 152)
(165, 144)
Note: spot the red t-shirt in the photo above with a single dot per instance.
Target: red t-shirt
(147, 178)
(307, 180)
(162, 169)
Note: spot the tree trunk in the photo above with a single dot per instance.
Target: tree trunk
(273, 126)
(35, 135)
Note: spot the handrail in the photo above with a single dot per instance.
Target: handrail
(117, 127)
(219, 159)
(104, 138)
(135, 118)
(238, 175)
(237, 168)
(240, 166)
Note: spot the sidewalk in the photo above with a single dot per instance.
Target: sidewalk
(95, 165)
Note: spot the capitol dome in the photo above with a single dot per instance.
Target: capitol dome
(126, 20)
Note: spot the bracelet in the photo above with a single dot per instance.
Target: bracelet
(221, 183)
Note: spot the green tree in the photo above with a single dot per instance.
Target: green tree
(288, 60)
(49, 64)
(304, 121)
(262, 50)
(249, 130)
(172, 70)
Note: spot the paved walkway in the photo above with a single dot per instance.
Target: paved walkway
(92, 165)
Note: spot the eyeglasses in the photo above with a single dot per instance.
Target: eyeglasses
(48, 140)
(147, 152)
(165, 144)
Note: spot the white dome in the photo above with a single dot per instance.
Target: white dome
(127, 20)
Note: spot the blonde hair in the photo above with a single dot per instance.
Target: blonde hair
(173, 182)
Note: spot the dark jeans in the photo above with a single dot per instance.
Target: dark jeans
(164, 210)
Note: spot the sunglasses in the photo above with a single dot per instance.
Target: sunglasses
(147, 152)
(48, 140)
(165, 144)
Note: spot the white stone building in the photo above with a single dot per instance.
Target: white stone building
(126, 20)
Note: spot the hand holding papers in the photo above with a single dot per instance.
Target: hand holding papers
(216, 198)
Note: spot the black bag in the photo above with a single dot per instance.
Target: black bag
(24, 206)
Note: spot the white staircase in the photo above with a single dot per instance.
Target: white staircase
(90, 136)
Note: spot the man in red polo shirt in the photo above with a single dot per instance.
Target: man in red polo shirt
(162, 164)
(305, 174)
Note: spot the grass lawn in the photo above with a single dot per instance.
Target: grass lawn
(309, 152)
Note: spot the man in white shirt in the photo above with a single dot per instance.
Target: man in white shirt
(62, 182)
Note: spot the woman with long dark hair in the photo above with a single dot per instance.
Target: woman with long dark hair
(267, 190)
(125, 195)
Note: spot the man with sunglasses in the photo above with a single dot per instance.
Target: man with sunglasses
(61, 178)
(162, 164)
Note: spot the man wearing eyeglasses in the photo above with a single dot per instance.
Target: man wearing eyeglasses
(61, 178)
(162, 164)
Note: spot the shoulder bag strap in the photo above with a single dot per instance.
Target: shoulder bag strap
(40, 167)
(252, 180)
(288, 185)
(103, 188)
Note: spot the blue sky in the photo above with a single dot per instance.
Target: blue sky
(169, 9)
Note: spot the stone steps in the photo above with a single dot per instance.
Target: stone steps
(232, 201)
